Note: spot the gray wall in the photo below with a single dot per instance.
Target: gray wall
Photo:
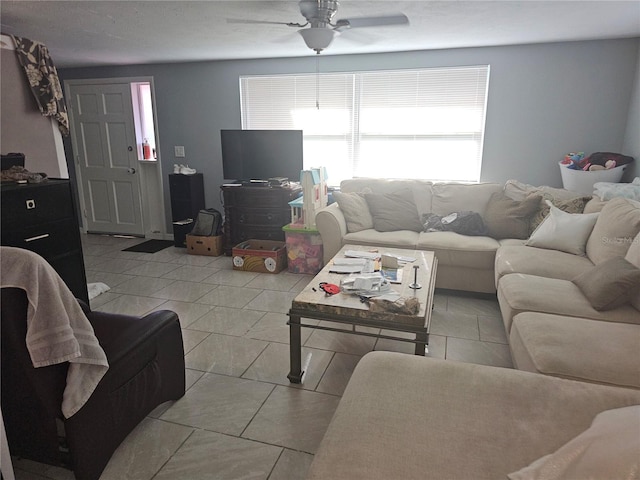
(544, 101)
(631, 145)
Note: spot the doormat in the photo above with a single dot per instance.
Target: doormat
(150, 246)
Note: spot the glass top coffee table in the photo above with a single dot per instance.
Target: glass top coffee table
(348, 309)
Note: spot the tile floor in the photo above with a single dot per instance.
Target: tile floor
(240, 418)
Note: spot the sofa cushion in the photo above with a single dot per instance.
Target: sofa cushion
(355, 210)
(454, 249)
(633, 257)
(421, 189)
(457, 197)
(610, 283)
(539, 261)
(594, 205)
(617, 226)
(512, 241)
(519, 293)
(567, 232)
(508, 218)
(394, 211)
(519, 191)
(576, 348)
(607, 449)
(399, 238)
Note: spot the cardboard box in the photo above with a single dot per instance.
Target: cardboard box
(200, 245)
(304, 249)
(265, 256)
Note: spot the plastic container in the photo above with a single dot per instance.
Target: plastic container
(582, 182)
(304, 249)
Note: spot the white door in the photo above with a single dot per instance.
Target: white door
(106, 157)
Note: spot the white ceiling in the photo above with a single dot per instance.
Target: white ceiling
(86, 33)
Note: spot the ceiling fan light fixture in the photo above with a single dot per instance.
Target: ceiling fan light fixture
(317, 38)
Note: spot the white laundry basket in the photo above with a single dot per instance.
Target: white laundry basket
(582, 182)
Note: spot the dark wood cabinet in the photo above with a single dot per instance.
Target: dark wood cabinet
(41, 217)
(256, 212)
(187, 199)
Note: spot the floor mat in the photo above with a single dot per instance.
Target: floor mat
(150, 246)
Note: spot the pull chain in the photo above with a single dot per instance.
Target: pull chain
(317, 82)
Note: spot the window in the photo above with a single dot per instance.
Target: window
(143, 119)
(426, 123)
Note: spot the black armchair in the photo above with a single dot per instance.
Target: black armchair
(146, 368)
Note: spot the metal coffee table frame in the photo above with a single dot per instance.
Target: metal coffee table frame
(312, 303)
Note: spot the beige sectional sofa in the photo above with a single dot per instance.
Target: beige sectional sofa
(572, 407)
(552, 326)
(407, 417)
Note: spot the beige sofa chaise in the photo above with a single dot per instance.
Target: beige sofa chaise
(409, 417)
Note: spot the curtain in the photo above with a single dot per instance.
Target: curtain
(43, 80)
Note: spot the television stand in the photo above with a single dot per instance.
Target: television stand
(256, 211)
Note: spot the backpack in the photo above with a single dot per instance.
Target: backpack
(208, 223)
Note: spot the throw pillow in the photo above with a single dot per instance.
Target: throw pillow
(508, 218)
(355, 210)
(609, 284)
(607, 449)
(572, 205)
(517, 190)
(567, 232)
(394, 211)
(633, 257)
(617, 226)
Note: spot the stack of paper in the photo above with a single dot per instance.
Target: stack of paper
(361, 254)
(352, 265)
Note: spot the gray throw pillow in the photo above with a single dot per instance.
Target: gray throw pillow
(355, 210)
(609, 284)
(394, 211)
(507, 218)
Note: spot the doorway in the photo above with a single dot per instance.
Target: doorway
(115, 152)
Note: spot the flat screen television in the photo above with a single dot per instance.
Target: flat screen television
(261, 154)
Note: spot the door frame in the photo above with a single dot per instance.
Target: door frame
(150, 179)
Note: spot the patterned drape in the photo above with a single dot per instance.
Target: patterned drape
(43, 80)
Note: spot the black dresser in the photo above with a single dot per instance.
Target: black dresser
(41, 217)
(257, 212)
(187, 199)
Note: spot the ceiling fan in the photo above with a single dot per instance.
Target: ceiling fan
(321, 30)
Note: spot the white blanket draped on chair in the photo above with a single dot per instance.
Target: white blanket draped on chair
(57, 328)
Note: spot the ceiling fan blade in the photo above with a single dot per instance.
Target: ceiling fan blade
(263, 22)
(359, 22)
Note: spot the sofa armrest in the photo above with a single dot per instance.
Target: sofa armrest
(332, 226)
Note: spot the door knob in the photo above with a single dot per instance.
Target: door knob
(130, 148)
(131, 170)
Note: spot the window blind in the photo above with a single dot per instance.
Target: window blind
(422, 123)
